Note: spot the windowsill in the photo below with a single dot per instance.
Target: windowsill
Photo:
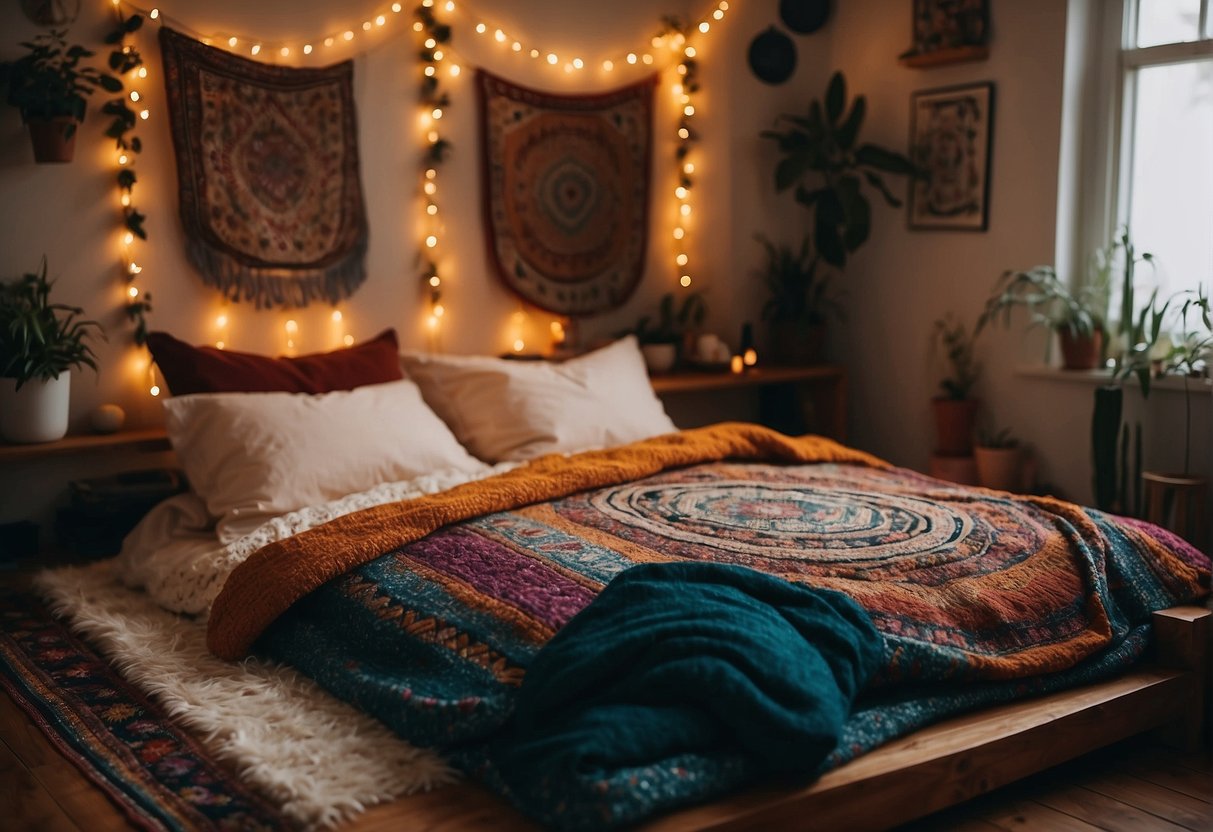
(1095, 378)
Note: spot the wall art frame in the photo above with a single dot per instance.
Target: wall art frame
(951, 135)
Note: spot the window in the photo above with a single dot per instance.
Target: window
(1163, 186)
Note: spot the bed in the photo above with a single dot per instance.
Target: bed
(445, 568)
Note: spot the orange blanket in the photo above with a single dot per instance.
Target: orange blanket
(278, 575)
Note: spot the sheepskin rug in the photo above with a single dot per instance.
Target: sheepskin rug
(319, 759)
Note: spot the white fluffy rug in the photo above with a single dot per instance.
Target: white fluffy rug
(320, 760)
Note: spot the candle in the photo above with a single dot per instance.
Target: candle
(751, 357)
(737, 365)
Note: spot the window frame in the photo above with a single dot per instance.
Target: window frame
(1107, 64)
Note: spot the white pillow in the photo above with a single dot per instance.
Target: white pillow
(516, 410)
(252, 456)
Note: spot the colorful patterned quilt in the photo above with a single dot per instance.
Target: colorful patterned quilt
(979, 596)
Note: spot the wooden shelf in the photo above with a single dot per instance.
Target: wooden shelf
(941, 57)
(142, 439)
(696, 381)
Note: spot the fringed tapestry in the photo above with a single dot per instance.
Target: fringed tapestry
(267, 166)
(566, 192)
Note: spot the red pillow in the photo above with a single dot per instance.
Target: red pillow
(188, 369)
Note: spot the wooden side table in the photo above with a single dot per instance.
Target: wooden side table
(1178, 502)
(794, 398)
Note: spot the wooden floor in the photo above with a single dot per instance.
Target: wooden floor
(1134, 786)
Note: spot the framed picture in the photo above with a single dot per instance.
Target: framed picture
(950, 133)
(949, 24)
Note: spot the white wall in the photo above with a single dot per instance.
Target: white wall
(899, 283)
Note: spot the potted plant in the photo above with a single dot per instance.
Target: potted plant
(50, 87)
(1077, 316)
(800, 302)
(998, 459)
(956, 410)
(660, 341)
(40, 342)
(824, 160)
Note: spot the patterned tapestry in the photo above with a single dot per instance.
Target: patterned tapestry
(267, 166)
(566, 192)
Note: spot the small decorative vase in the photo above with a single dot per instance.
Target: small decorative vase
(998, 468)
(54, 139)
(659, 358)
(37, 412)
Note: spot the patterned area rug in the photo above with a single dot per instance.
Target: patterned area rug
(159, 776)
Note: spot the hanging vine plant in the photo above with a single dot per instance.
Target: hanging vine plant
(124, 59)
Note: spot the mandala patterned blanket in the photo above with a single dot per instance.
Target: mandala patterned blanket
(979, 596)
(267, 166)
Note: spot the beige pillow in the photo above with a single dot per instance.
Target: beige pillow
(253, 456)
(515, 410)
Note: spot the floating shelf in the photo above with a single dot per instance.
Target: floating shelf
(941, 57)
(142, 439)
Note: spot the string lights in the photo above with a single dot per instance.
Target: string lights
(433, 100)
(127, 111)
(673, 46)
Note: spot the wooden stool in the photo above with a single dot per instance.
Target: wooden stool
(1180, 499)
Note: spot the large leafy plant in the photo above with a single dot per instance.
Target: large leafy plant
(1049, 301)
(799, 292)
(51, 81)
(825, 162)
(40, 339)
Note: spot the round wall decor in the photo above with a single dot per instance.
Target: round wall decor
(804, 17)
(772, 56)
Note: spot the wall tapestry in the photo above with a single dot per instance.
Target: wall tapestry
(950, 140)
(267, 167)
(566, 192)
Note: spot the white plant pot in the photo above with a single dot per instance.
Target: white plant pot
(659, 358)
(37, 412)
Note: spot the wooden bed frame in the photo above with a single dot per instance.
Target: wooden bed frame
(925, 771)
(914, 776)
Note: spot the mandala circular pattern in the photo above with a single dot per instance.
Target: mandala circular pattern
(783, 520)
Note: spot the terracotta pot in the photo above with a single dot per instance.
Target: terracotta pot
(1080, 352)
(998, 468)
(794, 343)
(955, 420)
(54, 139)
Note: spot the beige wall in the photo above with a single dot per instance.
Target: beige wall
(899, 283)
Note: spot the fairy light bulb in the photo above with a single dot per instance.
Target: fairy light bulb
(432, 136)
(437, 54)
(481, 28)
(134, 268)
(328, 41)
(134, 95)
(684, 133)
(499, 36)
(256, 49)
(685, 280)
(430, 188)
(285, 51)
(128, 238)
(454, 70)
(718, 14)
(534, 53)
(680, 192)
(437, 114)
(126, 200)
(380, 20)
(122, 160)
(432, 322)
(347, 34)
(142, 73)
(435, 281)
(144, 114)
(631, 58)
(450, 5)
(578, 63)
(221, 321)
(366, 25)
(552, 59)
(703, 27)
(688, 110)
(154, 390)
(689, 52)
(431, 209)
(439, 310)
(348, 340)
(431, 241)
(396, 7)
(688, 168)
(608, 65)
(516, 46)
(519, 345)
(429, 72)
(646, 59)
(336, 316)
(430, 43)
(679, 233)
(133, 292)
(681, 259)
(292, 327)
(232, 42)
(685, 209)
(153, 14)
